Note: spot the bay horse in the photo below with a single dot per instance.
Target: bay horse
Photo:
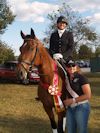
(33, 53)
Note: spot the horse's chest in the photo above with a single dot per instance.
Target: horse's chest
(44, 96)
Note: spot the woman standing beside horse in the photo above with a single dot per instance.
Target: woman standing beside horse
(78, 109)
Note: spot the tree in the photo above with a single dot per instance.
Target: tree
(6, 16)
(80, 26)
(75, 54)
(97, 52)
(6, 53)
(85, 52)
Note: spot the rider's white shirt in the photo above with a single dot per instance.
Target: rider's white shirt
(60, 32)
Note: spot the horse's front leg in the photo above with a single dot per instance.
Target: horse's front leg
(61, 122)
(50, 113)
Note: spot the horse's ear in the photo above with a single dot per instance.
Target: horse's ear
(32, 33)
(22, 35)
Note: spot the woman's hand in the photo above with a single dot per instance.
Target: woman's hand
(68, 101)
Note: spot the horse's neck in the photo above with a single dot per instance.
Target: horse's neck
(46, 70)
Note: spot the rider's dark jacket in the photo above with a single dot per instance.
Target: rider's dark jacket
(63, 45)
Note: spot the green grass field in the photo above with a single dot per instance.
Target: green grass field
(21, 113)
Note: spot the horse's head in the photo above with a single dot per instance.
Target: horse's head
(29, 54)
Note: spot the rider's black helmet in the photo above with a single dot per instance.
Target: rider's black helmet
(62, 19)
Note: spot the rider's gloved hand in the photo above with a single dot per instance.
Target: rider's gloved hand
(57, 56)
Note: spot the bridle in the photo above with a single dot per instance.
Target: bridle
(30, 64)
(22, 62)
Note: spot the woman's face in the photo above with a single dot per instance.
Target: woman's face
(71, 69)
(61, 25)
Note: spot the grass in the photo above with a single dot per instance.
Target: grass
(94, 121)
(21, 113)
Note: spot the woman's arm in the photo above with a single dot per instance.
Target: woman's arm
(86, 96)
(86, 93)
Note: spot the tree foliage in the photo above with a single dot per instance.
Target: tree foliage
(97, 51)
(6, 16)
(85, 52)
(6, 53)
(82, 32)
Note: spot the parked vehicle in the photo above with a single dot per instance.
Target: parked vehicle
(82, 63)
(8, 73)
(33, 76)
(7, 70)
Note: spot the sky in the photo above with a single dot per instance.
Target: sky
(33, 14)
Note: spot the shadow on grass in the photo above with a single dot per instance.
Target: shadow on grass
(3, 81)
(31, 125)
(16, 82)
(96, 107)
(94, 130)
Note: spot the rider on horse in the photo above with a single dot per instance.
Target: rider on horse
(61, 41)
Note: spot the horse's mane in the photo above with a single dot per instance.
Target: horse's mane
(44, 50)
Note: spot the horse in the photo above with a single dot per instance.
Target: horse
(33, 53)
